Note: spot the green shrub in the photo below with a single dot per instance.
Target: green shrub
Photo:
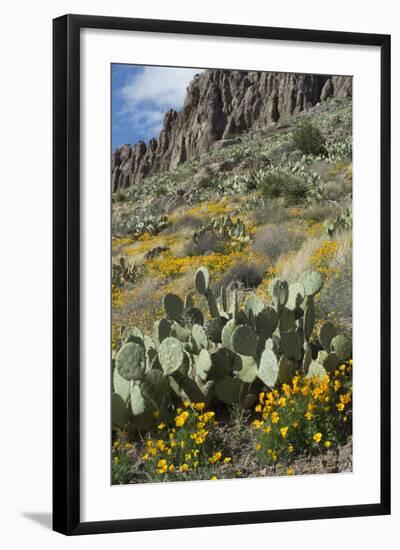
(309, 139)
(119, 196)
(278, 183)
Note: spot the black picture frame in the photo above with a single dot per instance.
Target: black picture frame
(66, 273)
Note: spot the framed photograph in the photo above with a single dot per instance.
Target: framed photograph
(221, 274)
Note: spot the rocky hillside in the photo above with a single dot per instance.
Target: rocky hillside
(221, 105)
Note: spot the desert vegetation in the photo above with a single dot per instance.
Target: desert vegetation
(231, 308)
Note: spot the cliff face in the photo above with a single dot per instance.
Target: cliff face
(222, 104)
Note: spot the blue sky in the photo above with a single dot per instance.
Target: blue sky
(140, 97)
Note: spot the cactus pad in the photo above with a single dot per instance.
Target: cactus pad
(227, 332)
(253, 306)
(296, 296)
(131, 334)
(121, 386)
(309, 318)
(163, 329)
(221, 364)
(316, 370)
(244, 340)
(194, 316)
(179, 332)
(291, 344)
(268, 370)
(199, 337)
(286, 370)
(330, 361)
(119, 411)
(307, 359)
(171, 355)
(223, 298)
(213, 329)
(286, 320)
(266, 321)
(234, 307)
(312, 282)
(279, 292)
(342, 346)
(138, 403)
(130, 361)
(202, 280)
(203, 365)
(245, 368)
(173, 306)
(326, 333)
(228, 390)
(155, 387)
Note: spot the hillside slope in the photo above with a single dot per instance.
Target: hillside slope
(223, 104)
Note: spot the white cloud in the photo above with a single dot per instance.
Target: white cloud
(151, 92)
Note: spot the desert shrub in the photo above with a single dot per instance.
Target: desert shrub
(267, 211)
(274, 240)
(319, 212)
(206, 242)
(308, 138)
(119, 196)
(183, 225)
(308, 415)
(241, 274)
(278, 183)
(334, 190)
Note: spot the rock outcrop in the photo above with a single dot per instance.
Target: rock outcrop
(219, 105)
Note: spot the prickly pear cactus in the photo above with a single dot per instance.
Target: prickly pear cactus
(227, 354)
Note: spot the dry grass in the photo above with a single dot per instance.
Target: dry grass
(278, 239)
(139, 306)
(336, 300)
(291, 267)
(320, 212)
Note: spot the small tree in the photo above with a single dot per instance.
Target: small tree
(308, 138)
